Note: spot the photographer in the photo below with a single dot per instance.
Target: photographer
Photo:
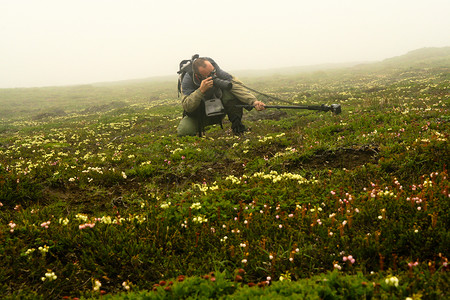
(208, 81)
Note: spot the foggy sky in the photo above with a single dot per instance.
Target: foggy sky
(61, 42)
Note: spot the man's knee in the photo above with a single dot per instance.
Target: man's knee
(187, 126)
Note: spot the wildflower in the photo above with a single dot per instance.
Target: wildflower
(81, 217)
(45, 224)
(391, 280)
(106, 220)
(196, 205)
(337, 266)
(86, 225)
(97, 285)
(126, 285)
(224, 239)
(44, 249)
(49, 275)
(244, 261)
(270, 256)
(199, 219)
(349, 259)
(124, 175)
(63, 221)
(165, 205)
(12, 225)
(71, 179)
(29, 251)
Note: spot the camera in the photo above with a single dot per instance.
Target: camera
(221, 83)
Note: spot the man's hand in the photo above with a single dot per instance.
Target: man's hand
(259, 105)
(206, 84)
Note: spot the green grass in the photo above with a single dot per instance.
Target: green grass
(97, 175)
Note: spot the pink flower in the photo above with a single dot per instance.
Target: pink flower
(12, 225)
(45, 224)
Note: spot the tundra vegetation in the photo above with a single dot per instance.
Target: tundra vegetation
(98, 196)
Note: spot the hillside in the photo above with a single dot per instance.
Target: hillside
(425, 57)
(100, 198)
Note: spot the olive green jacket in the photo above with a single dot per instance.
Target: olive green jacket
(192, 101)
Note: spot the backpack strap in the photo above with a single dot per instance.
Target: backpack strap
(185, 67)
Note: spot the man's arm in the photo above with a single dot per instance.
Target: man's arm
(192, 101)
(244, 95)
(191, 94)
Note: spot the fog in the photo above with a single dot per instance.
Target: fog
(65, 42)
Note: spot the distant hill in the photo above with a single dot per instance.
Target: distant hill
(416, 59)
(424, 56)
(420, 58)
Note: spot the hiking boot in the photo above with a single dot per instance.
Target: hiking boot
(238, 128)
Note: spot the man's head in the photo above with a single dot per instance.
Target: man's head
(202, 67)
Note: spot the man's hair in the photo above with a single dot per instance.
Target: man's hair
(199, 62)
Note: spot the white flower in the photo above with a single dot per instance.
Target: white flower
(196, 205)
(97, 285)
(165, 205)
(392, 280)
(50, 276)
(63, 221)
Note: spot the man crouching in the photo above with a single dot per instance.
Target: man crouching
(207, 81)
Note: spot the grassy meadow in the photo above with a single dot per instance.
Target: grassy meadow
(100, 198)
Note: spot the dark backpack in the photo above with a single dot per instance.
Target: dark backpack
(185, 67)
